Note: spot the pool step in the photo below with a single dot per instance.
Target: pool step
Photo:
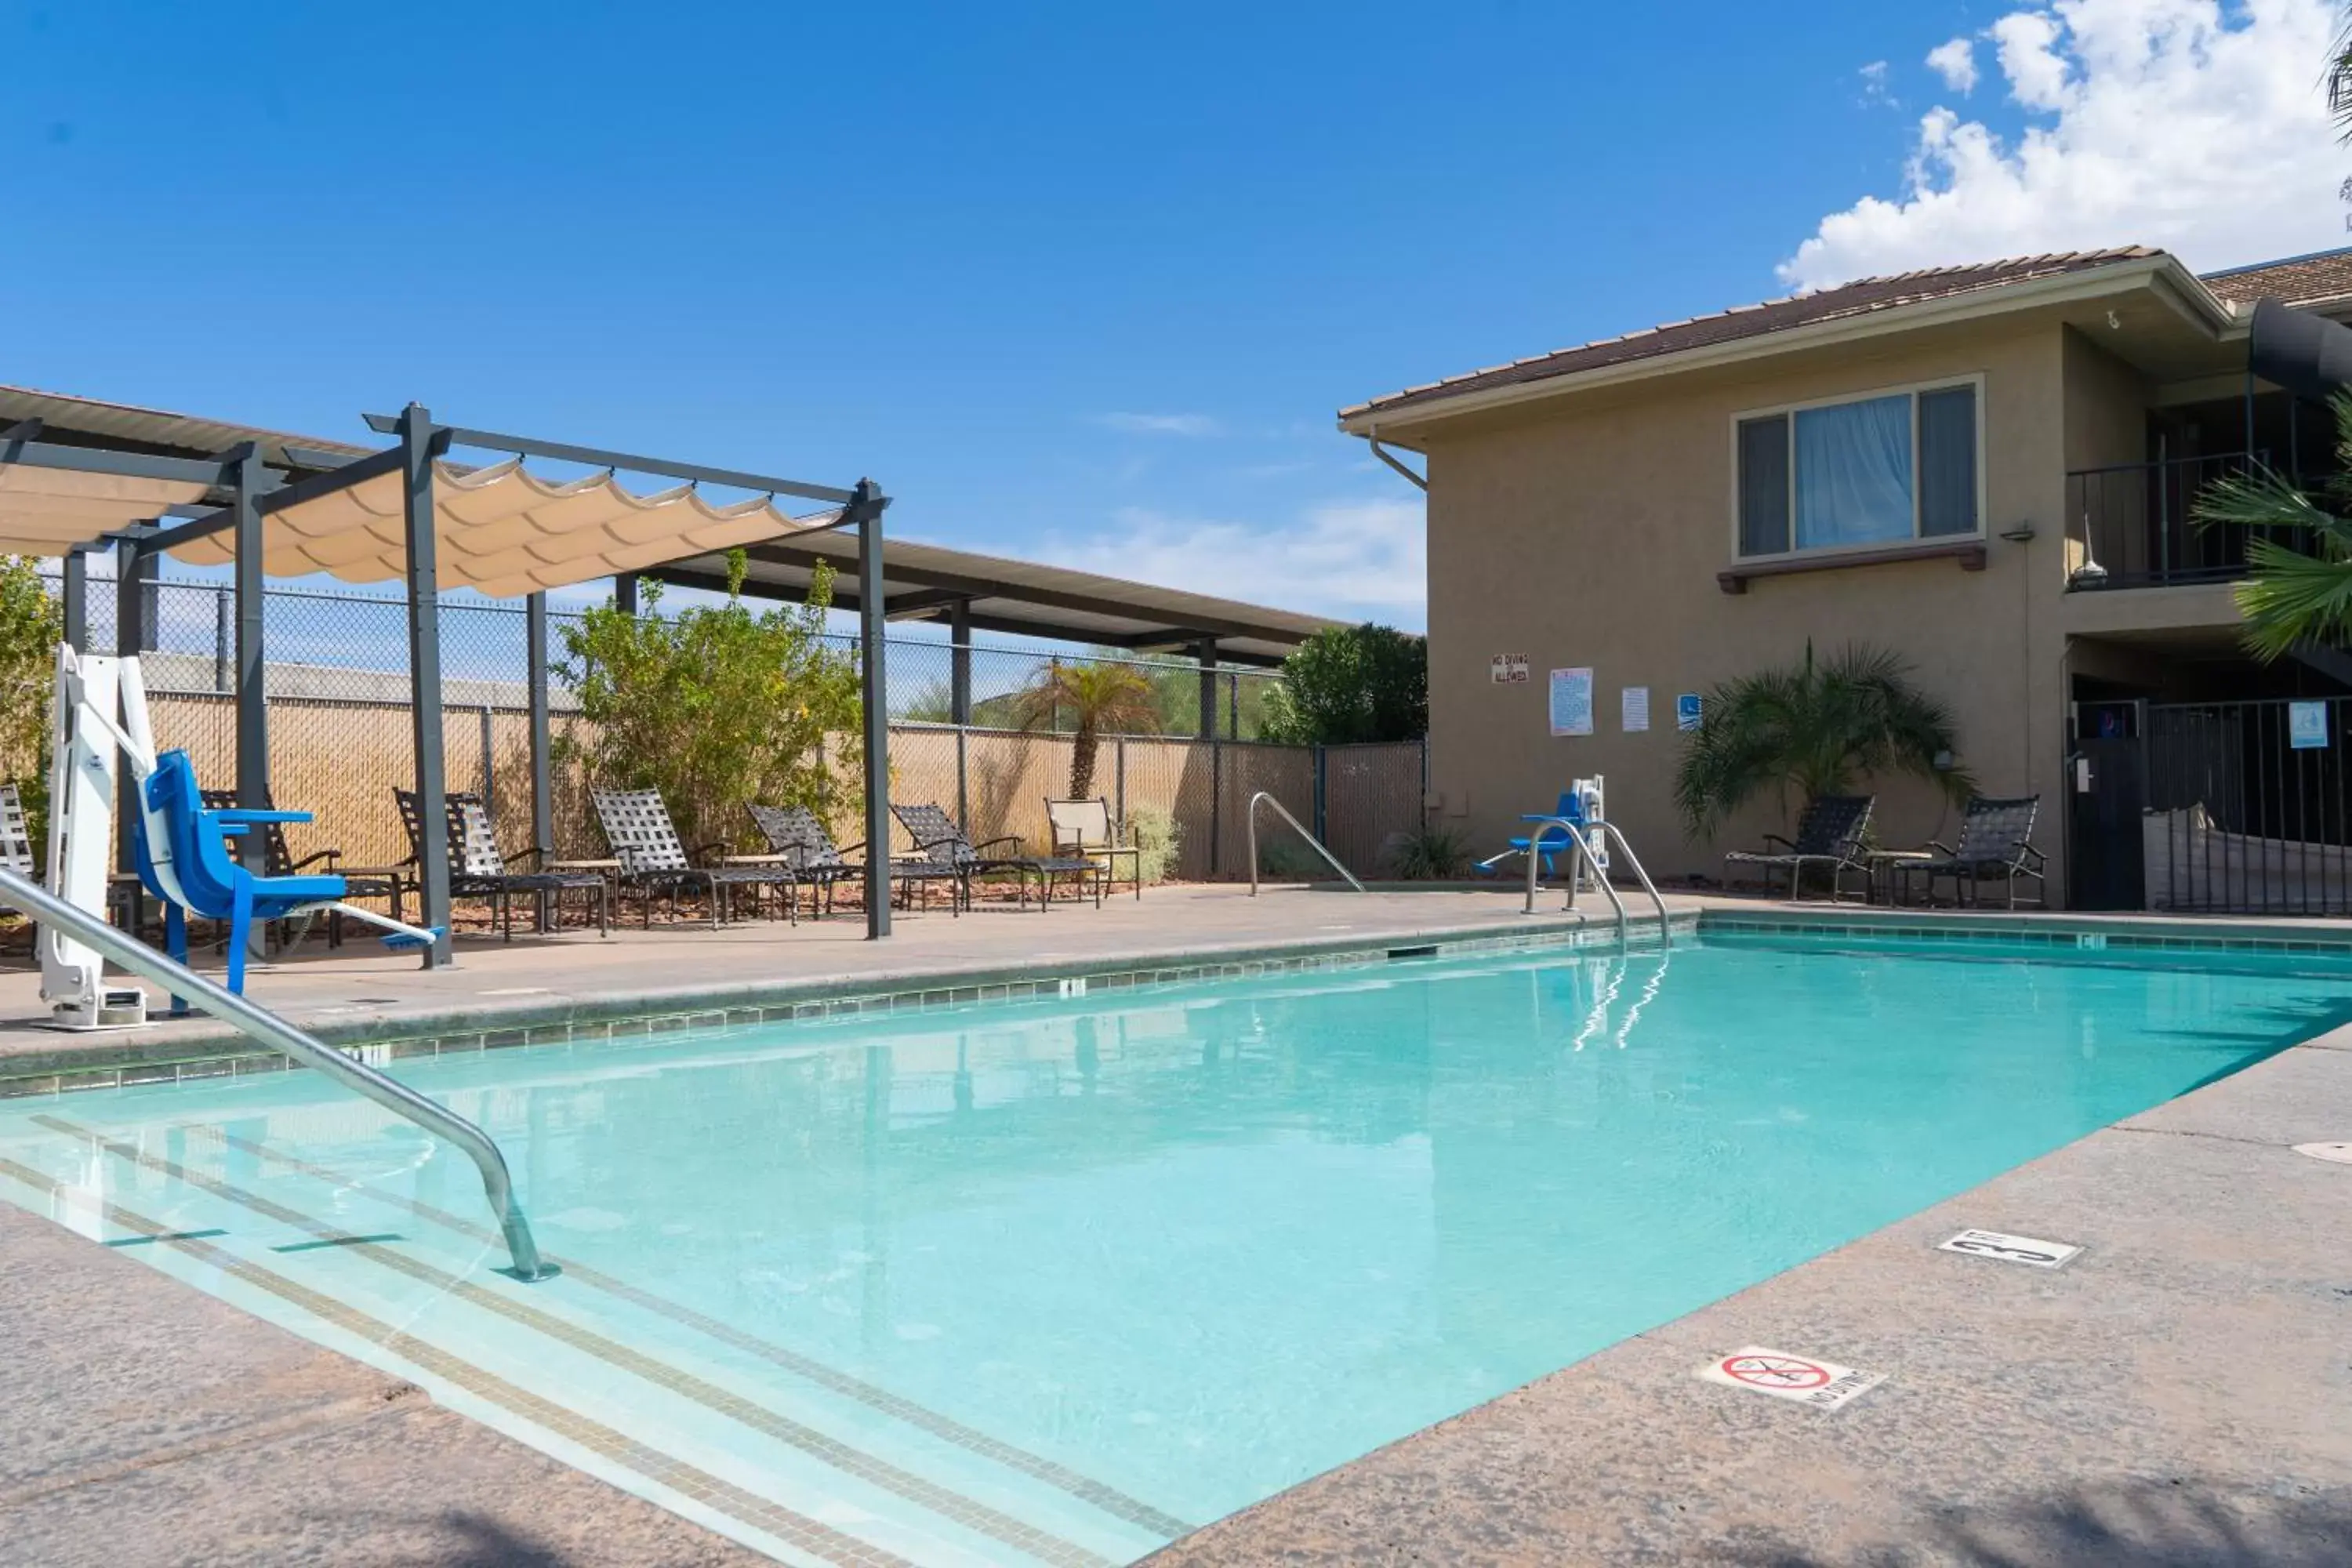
(771, 1447)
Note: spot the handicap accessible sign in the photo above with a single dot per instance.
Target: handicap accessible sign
(2307, 726)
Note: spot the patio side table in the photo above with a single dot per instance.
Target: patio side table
(1886, 869)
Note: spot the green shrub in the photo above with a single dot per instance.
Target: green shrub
(1155, 835)
(1430, 854)
(32, 623)
(1288, 858)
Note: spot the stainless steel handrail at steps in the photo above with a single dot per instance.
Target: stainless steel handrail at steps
(1316, 844)
(1584, 857)
(522, 1249)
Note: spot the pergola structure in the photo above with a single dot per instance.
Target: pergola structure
(78, 477)
(404, 511)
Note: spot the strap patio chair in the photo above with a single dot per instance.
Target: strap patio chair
(1995, 836)
(1085, 829)
(1833, 832)
(278, 860)
(944, 844)
(654, 862)
(800, 839)
(478, 867)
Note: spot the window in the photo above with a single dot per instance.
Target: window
(1868, 472)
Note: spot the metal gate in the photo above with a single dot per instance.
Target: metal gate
(2242, 808)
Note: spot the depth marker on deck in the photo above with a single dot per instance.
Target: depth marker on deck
(2032, 1251)
(1824, 1384)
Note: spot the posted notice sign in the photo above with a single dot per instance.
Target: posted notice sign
(1508, 669)
(2307, 726)
(1571, 706)
(1634, 709)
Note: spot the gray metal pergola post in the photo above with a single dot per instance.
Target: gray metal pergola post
(416, 431)
(76, 586)
(252, 688)
(134, 577)
(867, 504)
(1206, 651)
(624, 592)
(959, 662)
(542, 780)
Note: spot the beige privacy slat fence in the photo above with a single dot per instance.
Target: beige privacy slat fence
(341, 759)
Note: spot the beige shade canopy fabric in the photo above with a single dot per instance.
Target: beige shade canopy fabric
(47, 512)
(502, 530)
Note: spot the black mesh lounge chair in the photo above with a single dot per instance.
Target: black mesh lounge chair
(1995, 842)
(1830, 834)
(477, 868)
(944, 845)
(653, 861)
(796, 837)
(383, 882)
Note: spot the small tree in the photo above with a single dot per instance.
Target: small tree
(1097, 698)
(716, 707)
(1352, 684)
(1817, 729)
(32, 624)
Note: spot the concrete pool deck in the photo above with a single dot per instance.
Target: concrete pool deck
(2176, 1395)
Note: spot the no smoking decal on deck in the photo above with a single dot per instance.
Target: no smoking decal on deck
(1808, 1380)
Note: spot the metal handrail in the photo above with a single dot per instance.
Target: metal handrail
(1665, 932)
(136, 956)
(1314, 843)
(1575, 866)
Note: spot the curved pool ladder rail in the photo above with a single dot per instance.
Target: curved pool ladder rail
(1583, 856)
(1314, 843)
(130, 952)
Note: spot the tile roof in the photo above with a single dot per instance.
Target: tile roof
(1862, 297)
(2327, 275)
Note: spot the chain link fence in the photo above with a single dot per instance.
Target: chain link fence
(340, 733)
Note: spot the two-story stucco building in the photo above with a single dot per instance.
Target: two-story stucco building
(1985, 468)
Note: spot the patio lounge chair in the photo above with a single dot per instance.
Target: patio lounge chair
(15, 836)
(278, 860)
(797, 838)
(652, 860)
(477, 868)
(1086, 828)
(1831, 833)
(944, 844)
(1995, 842)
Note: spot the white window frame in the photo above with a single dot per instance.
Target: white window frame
(1832, 551)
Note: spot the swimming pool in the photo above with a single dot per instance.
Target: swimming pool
(1051, 1281)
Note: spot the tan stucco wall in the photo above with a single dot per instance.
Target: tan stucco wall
(1590, 534)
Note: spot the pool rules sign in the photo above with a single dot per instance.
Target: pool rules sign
(1805, 1380)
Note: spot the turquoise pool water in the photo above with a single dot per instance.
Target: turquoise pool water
(1047, 1283)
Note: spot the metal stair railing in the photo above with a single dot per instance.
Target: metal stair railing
(1314, 843)
(522, 1249)
(1583, 857)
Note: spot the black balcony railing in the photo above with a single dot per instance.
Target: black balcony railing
(2131, 526)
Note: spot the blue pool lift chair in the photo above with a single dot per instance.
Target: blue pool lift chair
(184, 860)
(1549, 840)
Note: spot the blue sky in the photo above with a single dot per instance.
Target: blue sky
(1083, 283)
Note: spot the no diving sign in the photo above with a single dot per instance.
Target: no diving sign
(1824, 1384)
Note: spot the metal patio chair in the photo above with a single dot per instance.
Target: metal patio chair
(1086, 828)
(1995, 836)
(797, 837)
(477, 868)
(654, 862)
(1831, 833)
(278, 860)
(16, 838)
(944, 844)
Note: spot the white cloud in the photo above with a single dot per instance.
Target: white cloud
(1955, 62)
(1158, 424)
(1353, 559)
(1873, 85)
(2179, 123)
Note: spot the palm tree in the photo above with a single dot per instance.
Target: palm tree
(1817, 729)
(2290, 596)
(1102, 697)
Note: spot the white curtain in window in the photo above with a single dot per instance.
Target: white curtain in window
(1854, 473)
